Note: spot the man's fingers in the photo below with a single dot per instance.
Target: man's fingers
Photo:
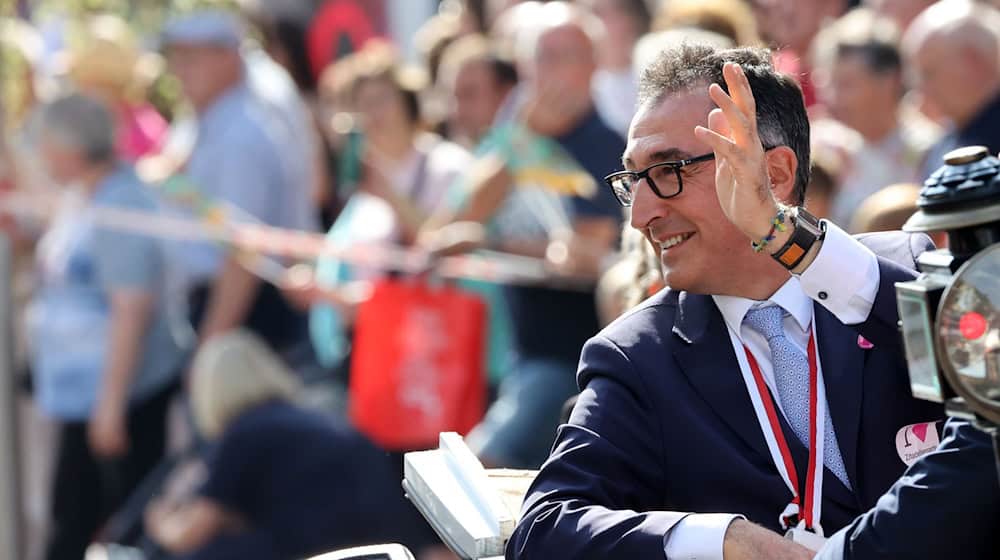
(741, 94)
(740, 126)
(721, 145)
(718, 122)
(739, 90)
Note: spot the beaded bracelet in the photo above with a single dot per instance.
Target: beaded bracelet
(777, 224)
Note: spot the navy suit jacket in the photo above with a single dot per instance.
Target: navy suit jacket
(947, 505)
(663, 425)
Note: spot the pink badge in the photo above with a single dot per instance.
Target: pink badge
(863, 343)
(915, 441)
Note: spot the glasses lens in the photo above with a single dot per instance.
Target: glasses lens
(666, 180)
(622, 187)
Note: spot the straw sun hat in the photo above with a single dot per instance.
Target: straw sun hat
(105, 55)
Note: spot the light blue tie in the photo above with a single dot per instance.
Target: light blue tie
(791, 378)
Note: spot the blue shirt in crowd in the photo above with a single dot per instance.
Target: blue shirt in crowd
(248, 158)
(554, 323)
(80, 265)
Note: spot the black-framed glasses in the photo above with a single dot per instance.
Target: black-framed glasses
(663, 177)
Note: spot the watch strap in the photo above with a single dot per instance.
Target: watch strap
(808, 230)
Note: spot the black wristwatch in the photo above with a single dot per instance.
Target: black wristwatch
(808, 230)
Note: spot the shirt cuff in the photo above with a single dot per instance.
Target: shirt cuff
(843, 277)
(699, 536)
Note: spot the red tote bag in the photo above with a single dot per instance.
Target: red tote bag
(417, 364)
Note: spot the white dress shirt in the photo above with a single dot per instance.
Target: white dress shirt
(844, 279)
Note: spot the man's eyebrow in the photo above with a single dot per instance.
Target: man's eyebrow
(669, 154)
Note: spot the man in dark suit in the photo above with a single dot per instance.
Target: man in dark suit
(946, 505)
(766, 386)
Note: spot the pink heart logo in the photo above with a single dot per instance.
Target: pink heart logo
(864, 343)
(920, 430)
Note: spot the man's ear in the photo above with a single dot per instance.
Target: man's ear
(782, 166)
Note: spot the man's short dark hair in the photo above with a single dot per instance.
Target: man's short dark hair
(781, 111)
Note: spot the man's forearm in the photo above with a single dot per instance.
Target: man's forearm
(232, 296)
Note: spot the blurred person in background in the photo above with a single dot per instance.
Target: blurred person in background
(651, 44)
(859, 77)
(103, 347)
(508, 204)
(477, 82)
(953, 48)
(248, 156)
(615, 85)
(822, 188)
(404, 169)
(105, 61)
(283, 27)
(789, 28)
(901, 12)
(434, 37)
(278, 72)
(888, 210)
(732, 19)
(431, 41)
(399, 178)
(633, 278)
(282, 481)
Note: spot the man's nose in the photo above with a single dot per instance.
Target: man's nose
(646, 205)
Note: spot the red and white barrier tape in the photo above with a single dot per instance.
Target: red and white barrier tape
(262, 243)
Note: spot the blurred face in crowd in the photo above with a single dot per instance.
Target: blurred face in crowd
(858, 96)
(948, 78)
(617, 21)
(63, 163)
(664, 131)
(902, 12)
(382, 108)
(565, 55)
(794, 23)
(621, 30)
(204, 71)
(477, 98)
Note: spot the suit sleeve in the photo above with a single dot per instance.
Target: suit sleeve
(946, 505)
(607, 464)
(897, 262)
(855, 279)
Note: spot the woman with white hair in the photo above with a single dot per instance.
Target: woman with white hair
(283, 482)
(103, 352)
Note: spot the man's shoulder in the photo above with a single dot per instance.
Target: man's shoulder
(654, 317)
(125, 189)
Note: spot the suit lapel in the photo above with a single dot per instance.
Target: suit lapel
(843, 364)
(705, 355)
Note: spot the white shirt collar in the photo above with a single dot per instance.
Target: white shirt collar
(789, 297)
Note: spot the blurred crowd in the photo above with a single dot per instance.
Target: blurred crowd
(219, 379)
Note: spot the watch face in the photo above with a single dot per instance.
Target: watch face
(968, 327)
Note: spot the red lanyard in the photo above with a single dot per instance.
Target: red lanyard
(808, 510)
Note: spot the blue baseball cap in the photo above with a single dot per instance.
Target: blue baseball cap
(204, 27)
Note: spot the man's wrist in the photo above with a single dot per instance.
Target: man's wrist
(806, 233)
(770, 229)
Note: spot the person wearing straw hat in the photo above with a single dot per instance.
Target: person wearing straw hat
(105, 61)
